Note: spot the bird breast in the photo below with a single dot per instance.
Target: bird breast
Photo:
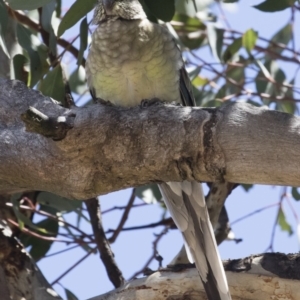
(133, 60)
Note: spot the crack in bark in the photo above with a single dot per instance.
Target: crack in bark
(213, 155)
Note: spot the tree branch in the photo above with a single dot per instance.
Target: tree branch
(106, 254)
(19, 273)
(124, 218)
(110, 148)
(242, 274)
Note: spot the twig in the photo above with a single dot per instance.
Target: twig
(155, 252)
(61, 251)
(42, 237)
(124, 218)
(72, 267)
(164, 222)
(271, 248)
(122, 207)
(106, 254)
(254, 212)
(55, 218)
(33, 25)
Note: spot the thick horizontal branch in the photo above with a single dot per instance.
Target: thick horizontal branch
(103, 148)
(251, 278)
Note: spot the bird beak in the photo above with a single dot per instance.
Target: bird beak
(108, 5)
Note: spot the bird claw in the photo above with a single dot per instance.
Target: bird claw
(151, 102)
(103, 102)
(180, 267)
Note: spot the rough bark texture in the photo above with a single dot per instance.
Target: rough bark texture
(20, 278)
(249, 280)
(109, 148)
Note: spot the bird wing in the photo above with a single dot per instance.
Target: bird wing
(186, 89)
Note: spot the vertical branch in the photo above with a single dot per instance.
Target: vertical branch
(106, 254)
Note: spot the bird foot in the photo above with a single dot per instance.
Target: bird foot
(103, 102)
(151, 102)
(180, 267)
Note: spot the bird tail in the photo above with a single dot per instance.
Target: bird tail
(186, 204)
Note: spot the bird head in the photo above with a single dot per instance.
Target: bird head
(118, 9)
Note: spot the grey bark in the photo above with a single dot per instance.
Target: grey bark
(112, 148)
(20, 278)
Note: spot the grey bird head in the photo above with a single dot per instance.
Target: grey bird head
(118, 9)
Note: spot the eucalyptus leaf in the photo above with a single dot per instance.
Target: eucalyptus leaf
(295, 193)
(78, 10)
(232, 49)
(77, 81)
(274, 5)
(215, 40)
(163, 9)
(3, 26)
(22, 219)
(27, 4)
(62, 204)
(247, 187)
(52, 85)
(282, 222)
(70, 295)
(40, 247)
(26, 40)
(283, 37)
(19, 63)
(191, 31)
(83, 40)
(47, 13)
(249, 39)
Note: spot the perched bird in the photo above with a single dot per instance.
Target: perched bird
(132, 59)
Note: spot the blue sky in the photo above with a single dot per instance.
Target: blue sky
(132, 249)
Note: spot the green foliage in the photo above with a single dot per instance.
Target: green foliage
(83, 40)
(52, 84)
(63, 205)
(249, 39)
(24, 37)
(3, 26)
(19, 65)
(282, 37)
(232, 49)
(282, 222)
(27, 4)
(243, 65)
(215, 40)
(149, 193)
(76, 12)
(295, 193)
(70, 295)
(38, 246)
(273, 6)
(187, 25)
(163, 9)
